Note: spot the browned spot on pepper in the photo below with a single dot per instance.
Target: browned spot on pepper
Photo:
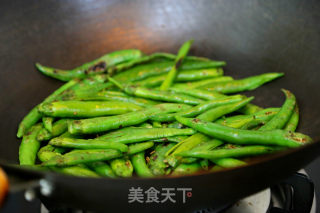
(152, 152)
(147, 159)
(195, 120)
(77, 122)
(75, 113)
(268, 113)
(128, 164)
(164, 139)
(120, 126)
(231, 146)
(100, 66)
(154, 157)
(55, 71)
(177, 65)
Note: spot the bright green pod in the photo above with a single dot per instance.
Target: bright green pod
(241, 85)
(79, 171)
(199, 93)
(58, 128)
(47, 123)
(140, 166)
(139, 147)
(141, 72)
(157, 164)
(158, 95)
(96, 66)
(102, 169)
(206, 145)
(34, 116)
(183, 75)
(83, 156)
(186, 169)
(171, 76)
(230, 153)
(122, 167)
(293, 121)
(196, 110)
(86, 109)
(238, 121)
(228, 162)
(47, 152)
(199, 84)
(117, 96)
(250, 109)
(138, 134)
(217, 112)
(238, 136)
(101, 124)
(175, 139)
(87, 144)
(29, 146)
(187, 144)
(281, 118)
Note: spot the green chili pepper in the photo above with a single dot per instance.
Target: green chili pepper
(140, 166)
(228, 162)
(186, 169)
(206, 145)
(47, 123)
(34, 116)
(184, 145)
(182, 53)
(102, 169)
(250, 109)
(117, 96)
(157, 163)
(83, 156)
(80, 171)
(199, 93)
(100, 124)
(226, 153)
(122, 167)
(47, 152)
(249, 83)
(96, 66)
(282, 117)
(29, 146)
(138, 134)
(87, 144)
(175, 139)
(200, 84)
(58, 128)
(239, 121)
(293, 121)
(183, 75)
(219, 111)
(144, 71)
(139, 147)
(271, 137)
(196, 110)
(80, 109)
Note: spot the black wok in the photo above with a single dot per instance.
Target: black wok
(252, 36)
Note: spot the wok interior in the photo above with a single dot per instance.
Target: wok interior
(253, 37)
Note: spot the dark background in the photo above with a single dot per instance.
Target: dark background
(252, 36)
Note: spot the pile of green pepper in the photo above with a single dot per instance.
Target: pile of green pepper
(127, 114)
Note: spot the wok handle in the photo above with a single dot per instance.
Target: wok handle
(4, 186)
(300, 194)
